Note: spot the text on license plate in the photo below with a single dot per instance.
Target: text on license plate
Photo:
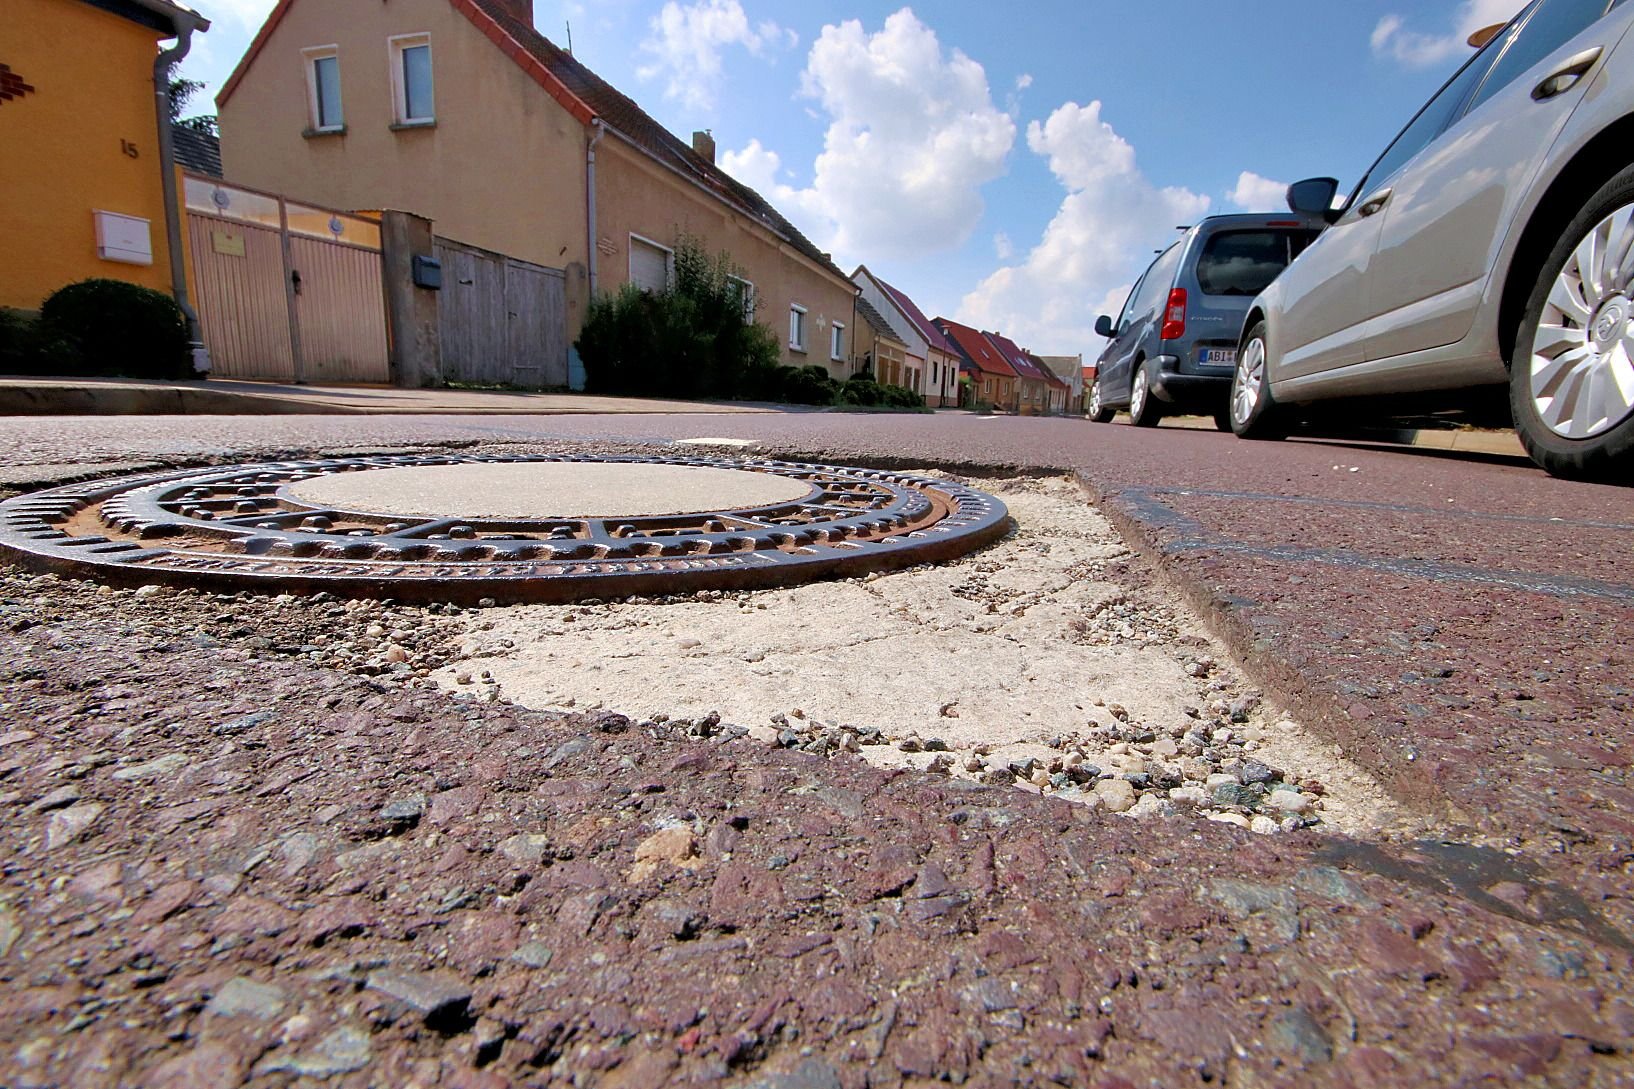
(1219, 357)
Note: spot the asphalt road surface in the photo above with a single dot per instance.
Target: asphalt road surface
(1460, 624)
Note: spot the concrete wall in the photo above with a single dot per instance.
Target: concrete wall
(637, 196)
(503, 168)
(86, 138)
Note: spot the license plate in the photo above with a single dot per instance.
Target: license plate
(1219, 357)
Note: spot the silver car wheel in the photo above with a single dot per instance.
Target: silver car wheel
(1095, 399)
(1582, 362)
(1245, 384)
(1137, 395)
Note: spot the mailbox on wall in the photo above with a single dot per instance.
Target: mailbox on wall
(428, 272)
(123, 238)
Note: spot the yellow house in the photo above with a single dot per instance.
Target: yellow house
(84, 169)
(460, 111)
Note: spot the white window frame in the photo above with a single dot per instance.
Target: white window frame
(797, 327)
(310, 58)
(669, 259)
(836, 341)
(397, 46)
(747, 295)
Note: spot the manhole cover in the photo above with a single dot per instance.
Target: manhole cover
(464, 527)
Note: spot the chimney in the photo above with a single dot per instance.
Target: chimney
(520, 10)
(703, 145)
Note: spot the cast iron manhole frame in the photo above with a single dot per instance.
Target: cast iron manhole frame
(229, 528)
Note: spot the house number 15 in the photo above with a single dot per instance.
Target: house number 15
(129, 149)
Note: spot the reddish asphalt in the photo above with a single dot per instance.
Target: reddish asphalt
(1458, 622)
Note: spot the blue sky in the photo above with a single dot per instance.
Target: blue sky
(1010, 167)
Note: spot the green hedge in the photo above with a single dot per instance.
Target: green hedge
(99, 328)
(698, 340)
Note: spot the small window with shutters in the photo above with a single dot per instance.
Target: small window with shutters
(650, 265)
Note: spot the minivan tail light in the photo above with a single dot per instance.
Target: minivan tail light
(1174, 315)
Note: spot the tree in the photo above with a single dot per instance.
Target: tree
(182, 91)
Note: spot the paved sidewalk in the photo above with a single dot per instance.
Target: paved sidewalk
(21, 396)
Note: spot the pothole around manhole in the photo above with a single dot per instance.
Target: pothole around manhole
(1032, 662)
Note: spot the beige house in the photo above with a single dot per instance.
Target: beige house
(931, 365)
(878, 348)
(459, 111)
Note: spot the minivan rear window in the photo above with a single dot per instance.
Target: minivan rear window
(1245, 262)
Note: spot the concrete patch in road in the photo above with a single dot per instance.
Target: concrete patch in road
(1022, 655)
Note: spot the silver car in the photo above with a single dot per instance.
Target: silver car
(1491, 243)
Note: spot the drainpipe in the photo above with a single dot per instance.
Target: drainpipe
(167, 170)
(597, 131)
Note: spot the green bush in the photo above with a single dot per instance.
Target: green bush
(110, 327)
(862, 391)
(696, 340)
(19, 343)
(866, 393)
(692, 340)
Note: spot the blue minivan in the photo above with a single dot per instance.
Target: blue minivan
(1173, 349)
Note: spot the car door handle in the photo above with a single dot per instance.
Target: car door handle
(1565, 77)
(1375, 204)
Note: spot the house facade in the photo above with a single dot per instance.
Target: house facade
(993, 381)
(460, 111)
(933, 363)
(1070, 370)
(1032, 389)
(82, 172)
(879, 351)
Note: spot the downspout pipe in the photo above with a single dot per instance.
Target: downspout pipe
(597, 131)
(185, 23)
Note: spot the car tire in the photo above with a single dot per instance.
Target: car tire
(1222, 419)
(1143, 409)
(1253, 413)
(1098, 412)
(1571, 382)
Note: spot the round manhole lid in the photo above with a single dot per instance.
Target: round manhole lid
(466, 527)
(575, 489)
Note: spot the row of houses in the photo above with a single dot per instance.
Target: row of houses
(524, 167)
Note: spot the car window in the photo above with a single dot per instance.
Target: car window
(1245, 262)
(1154, 290)
(1552, 25)
(1128, 305)
(1432, 119)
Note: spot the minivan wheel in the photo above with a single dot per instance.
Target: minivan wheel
(1099, 412)
(1253, 414)
(1571, 383)
(1143, 410)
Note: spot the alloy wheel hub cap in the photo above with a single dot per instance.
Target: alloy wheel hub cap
(1581, 366)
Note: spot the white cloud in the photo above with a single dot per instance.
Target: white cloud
(912, 137)
(686, 41)
(1255, 193)
(1100, 239)
(1416, 49)
(1003, 247)
(1024, 81)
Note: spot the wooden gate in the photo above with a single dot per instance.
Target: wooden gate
(286, 291)
(503, 322)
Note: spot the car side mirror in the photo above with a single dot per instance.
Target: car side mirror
(1103, 326)
(1313, 196)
